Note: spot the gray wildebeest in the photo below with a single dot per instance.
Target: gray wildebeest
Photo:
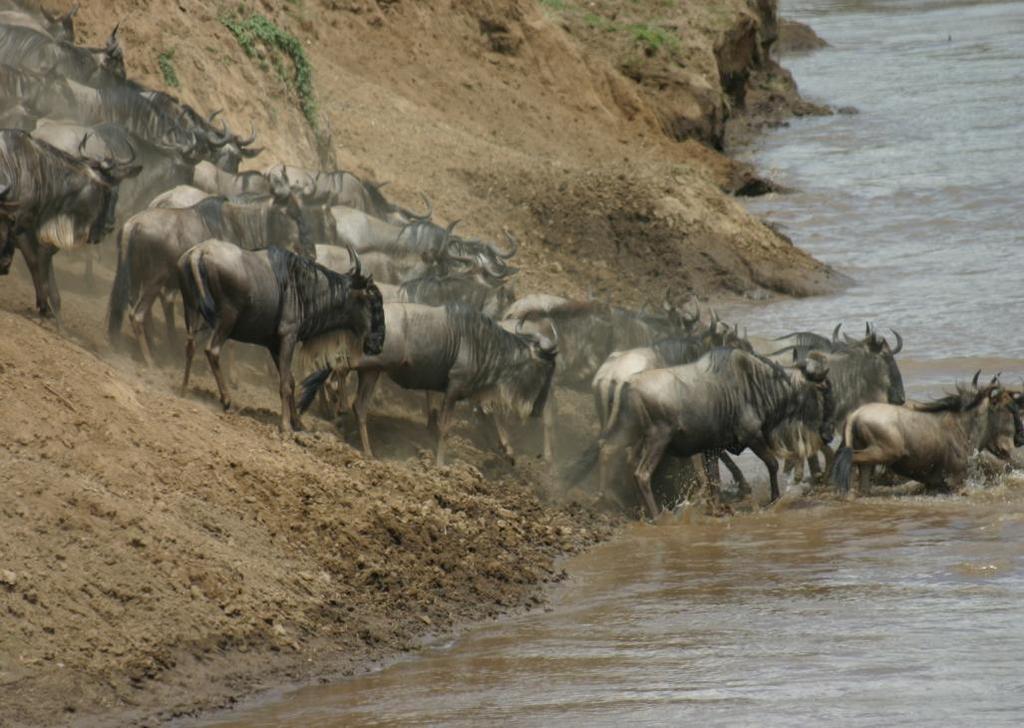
(345, 189)
(728, 399)
(35, 51)
(151, 242)
(588, 332)
(273, 298)
(456, 351)
(30, 14)
(930, 442)
(55, 201)
(861, 372)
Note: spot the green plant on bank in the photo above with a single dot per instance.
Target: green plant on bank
(653, 38)
(554, 4)
(258, 30)
(166, 62)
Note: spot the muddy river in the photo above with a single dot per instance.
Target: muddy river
(880, 612)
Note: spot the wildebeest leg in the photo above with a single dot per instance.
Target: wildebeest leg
(444, 421)
(90, 276)
(765, 455)
(737, 475)
(429, 411)
(815, 467)
(503, 439)
(38, 265)
(6, 247)
(703, 482)
(550, 413)
(864, 479)
(190, 352)
(364, 393)
(225, 324)
(167, 302)
(830, 455)
(282, 352)
(137, 318)
(652, 447)
(798, 470)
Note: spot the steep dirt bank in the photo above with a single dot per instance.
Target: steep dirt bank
(157, 556)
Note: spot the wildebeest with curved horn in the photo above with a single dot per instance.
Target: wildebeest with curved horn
(930, 442)
(151, 242)
(55, 202)
(347, 190)
(459, 352)
(35, 51)
(273, 298)
(728, 399)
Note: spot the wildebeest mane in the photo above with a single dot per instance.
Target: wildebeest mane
(963, 399)
(678, 350)
(322, 297)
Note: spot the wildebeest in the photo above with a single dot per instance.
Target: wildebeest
(55, 201)
(162, 166)
(459, 352)
(930, 442)
(32, 50)
(216, 181)
(150, 243)
(728, 399)
(589, 331)
(273, 298)
(861, 372)
(347, 190)
(34, 16)
(178, 197)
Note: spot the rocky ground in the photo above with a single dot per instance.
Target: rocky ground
(158, 556)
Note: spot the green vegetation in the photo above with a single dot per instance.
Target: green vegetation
(554, 4)
(165, 61)
(261, 38)
(653, 38)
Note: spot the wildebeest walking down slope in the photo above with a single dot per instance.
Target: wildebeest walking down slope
(275, 299)
(459, 352)
(55, 201)
(150, 243)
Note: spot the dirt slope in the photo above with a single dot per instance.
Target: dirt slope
(158, 556)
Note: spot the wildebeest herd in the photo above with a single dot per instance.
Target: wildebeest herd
(290, 258)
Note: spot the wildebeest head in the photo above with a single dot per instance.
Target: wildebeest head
(877, 346)
(110, 172)
(290, 211)
(112, 57)
(368, 297)
(815, 403)
(1003, 429)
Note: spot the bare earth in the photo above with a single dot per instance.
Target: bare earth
(160, 557)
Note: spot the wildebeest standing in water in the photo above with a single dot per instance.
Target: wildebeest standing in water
(151, 242)
(930, 442)
(54, 202)
(274, 299)
(728, 399)
(458, 352)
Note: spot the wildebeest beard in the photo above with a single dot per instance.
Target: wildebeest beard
(327, 301)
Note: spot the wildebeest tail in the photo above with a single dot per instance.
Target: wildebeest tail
(122, 289)
(201, 280)
(842, 469)
(311, 385)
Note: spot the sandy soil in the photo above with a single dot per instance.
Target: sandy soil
(158, 556)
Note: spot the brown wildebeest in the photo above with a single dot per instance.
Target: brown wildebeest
(930, 442)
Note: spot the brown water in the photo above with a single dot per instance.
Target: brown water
(872, 613)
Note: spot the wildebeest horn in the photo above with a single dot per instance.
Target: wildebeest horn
(430, 209)
(357, 265)
(849, 339)
(249, 139)
(554, 335)
(70, 13)
(519, 326)
(899, 341)
(81, 145)
(212, 117)
(112, 42)
(251, 152)
(867, 329)
(511, 241)
(448, 232)
(835, 332)
(974, 381)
